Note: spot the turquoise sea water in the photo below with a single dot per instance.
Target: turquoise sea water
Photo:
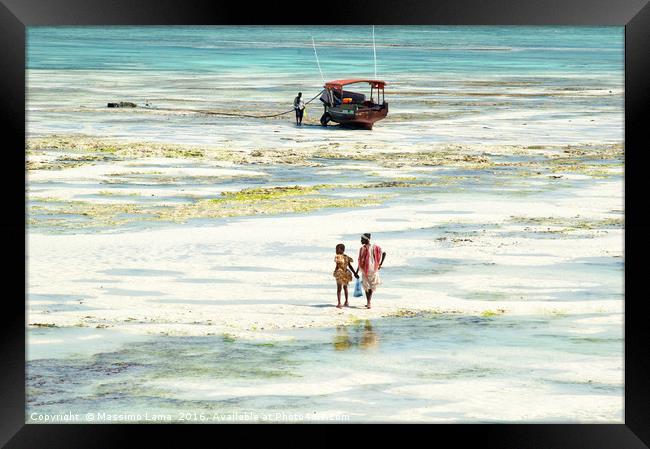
(475, 84)
(536, 51)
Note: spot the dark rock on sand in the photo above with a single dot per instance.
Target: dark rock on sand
(122, 104)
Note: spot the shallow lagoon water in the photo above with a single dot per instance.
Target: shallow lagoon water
(408, 368)
(475, 84)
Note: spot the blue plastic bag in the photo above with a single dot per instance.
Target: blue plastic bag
(357, 288)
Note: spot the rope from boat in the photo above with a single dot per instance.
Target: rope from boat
(233, 114)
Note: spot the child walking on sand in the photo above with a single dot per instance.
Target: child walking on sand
(342, 274)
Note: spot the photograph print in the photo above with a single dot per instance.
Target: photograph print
(332, 224)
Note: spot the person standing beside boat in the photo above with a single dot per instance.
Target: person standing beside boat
(299, 107)
(371, 258)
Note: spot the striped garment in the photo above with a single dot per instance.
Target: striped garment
(369, 258)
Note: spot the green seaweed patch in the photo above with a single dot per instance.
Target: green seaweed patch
(228, 338)
(404, 313)
(490, 313)
(596, 152)
(390, 184)
(262, 204)
(183, 153)
(68, 161)
(96, 214)
(59, 213)
(594, 171)
(47, 199)
(47, 165)
(280, 156)
(448, 156)
(52, 165)
(618, 222)
(595, 161)
(85, 158)
(565, 224)
(109, 149)
(435, 158)
(146, 149)
(267, 193)
(155, 179)
(428, 313)
(92, 144)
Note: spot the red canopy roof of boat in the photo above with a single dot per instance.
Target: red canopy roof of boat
(338, 84)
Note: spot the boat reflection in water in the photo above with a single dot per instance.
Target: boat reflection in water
(363, 337)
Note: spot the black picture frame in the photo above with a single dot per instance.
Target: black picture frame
(16, 15)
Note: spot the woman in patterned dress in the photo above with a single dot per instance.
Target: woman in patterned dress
(342, 274)
(371, 258)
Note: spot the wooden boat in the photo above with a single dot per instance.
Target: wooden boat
(352, 109)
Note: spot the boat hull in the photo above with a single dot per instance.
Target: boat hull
(363, 118)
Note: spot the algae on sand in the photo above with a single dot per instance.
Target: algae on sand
(570, 223)
(267, 193)
(282, 204)
(490, 313)
(256, 201)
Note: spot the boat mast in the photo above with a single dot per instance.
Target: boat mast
(317, 62)
(374, 51)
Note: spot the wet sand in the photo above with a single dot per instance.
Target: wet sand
(207, 245)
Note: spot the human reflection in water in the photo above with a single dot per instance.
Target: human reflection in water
(366, 340)
(369, 337)
(342, 340)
